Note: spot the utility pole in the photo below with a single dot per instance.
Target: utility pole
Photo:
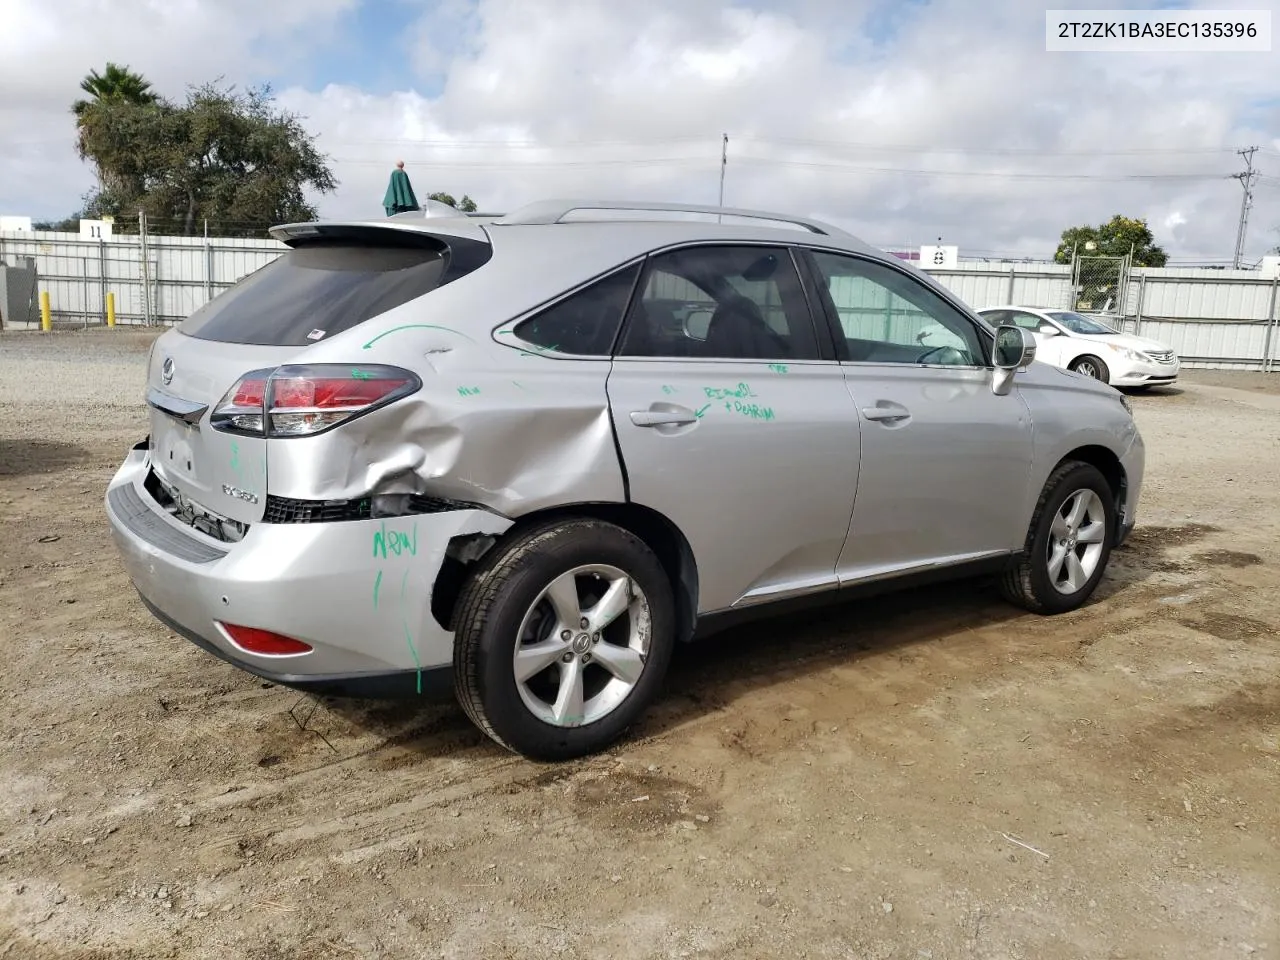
(1246, 201)
(724, 162)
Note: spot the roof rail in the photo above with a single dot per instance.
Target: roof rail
(555, 211)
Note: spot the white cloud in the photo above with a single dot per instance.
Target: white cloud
(630, 100)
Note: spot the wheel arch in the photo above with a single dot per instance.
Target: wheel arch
(657, 532)
(1107, 463)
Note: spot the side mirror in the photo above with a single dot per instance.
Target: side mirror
(697, 324)
(1048, 330)
(1014, 348)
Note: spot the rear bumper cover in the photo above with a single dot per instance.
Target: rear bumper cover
(359, 592)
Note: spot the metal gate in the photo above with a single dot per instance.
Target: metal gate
(1099, 284)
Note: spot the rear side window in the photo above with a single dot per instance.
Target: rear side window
(313, 292)
(583, 323)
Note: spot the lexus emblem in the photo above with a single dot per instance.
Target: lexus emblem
(166, 371)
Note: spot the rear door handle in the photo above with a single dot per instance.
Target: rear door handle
(663, 418)
(886, 411)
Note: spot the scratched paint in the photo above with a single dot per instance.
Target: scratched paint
(377, 586)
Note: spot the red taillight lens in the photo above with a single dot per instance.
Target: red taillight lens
(300, 400)
(240, 409)
(264, 642)
(249, 393)
(330, 393)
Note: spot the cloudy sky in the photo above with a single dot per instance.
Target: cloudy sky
(903, 120)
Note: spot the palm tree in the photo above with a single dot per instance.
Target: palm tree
(116, 84)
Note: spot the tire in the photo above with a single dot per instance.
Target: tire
(1091, 366)
(1030, 581)
(508, 596)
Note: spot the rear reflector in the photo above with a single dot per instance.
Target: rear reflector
(264, 642)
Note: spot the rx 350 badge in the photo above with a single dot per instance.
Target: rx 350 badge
(239, 494)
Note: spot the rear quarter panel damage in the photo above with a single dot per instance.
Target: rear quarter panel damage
(513, 431)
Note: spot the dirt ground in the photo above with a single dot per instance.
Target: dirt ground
(927, 776)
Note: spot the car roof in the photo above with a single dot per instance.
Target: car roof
(538, 252)
(552, 221)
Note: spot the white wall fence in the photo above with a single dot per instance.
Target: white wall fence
(1213, 318)
(176, 276)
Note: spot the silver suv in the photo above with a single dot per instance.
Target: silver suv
(524, 456)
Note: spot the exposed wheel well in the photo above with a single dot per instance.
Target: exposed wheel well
(1108, 465)
(658, 533)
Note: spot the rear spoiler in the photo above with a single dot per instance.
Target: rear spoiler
(458, 226)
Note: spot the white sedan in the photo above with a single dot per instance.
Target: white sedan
(1073, 341)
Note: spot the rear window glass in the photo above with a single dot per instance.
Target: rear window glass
(313, 292)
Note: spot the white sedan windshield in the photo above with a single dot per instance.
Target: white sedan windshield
(1078, 323)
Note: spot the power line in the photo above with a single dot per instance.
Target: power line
(1246, 201)
(996, 174)
(781, 162)
(993, 151)
(529, 143)
(528, 164)
(535, 143)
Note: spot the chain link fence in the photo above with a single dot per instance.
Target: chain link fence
(1099, 285)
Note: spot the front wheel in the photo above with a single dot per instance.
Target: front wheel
(1068, 542)
(1091, 366)
(563, 638)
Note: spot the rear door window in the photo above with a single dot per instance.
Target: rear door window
(721, 302)
(313, 292)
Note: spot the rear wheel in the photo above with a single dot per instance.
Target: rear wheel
(562, 638)
(1091, 366)
(1068, 542)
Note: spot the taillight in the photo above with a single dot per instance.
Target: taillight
(298, 401)
(240, 409)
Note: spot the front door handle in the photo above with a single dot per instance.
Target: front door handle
(663, 418)
(886, 411)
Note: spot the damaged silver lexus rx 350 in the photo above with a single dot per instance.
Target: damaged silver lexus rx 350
(524, 456)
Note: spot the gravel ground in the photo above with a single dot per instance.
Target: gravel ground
(928, 777)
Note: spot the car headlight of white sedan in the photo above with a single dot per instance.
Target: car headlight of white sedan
(1132, 355)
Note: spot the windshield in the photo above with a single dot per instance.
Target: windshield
(1078, 323)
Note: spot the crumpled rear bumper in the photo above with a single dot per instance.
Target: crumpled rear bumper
(358, 592)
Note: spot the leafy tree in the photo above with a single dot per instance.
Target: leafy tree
(69, 224)
(225, 156)
(1115, 238)
(466, 204)
(116, 84)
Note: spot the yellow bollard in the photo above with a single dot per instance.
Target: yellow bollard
(111, 309)
(46, 318)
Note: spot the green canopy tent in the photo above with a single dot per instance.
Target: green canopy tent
(399, 197)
